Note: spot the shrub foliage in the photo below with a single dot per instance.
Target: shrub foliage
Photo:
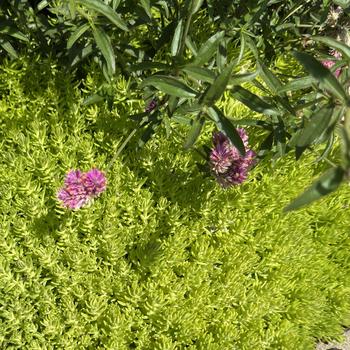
(185, 54)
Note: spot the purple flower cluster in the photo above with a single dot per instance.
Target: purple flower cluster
(226, 163)
(151, 106)
(330, 63)
(79, 188)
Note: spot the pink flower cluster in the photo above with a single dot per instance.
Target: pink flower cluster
(330, 63)
(226, 163)
(79, 188)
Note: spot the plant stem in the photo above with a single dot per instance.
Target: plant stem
(184, 34)
(119, 150)
(330, 162)
(346, 139)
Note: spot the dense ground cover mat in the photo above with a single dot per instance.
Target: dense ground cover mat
(164, 258)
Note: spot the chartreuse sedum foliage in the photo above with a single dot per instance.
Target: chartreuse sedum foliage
(164, 259)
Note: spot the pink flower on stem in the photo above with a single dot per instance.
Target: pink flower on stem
(226, 163)
(79, 188)
(330, 63)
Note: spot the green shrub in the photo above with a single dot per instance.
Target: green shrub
(164, 259)
(184, 55)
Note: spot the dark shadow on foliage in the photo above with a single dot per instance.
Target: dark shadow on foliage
(46, 225)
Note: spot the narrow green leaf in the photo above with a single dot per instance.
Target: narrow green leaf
(297, 6)
(345, 147)
(195, 131)
(6, 45)
(148, 133)
(79, 54)
(141, 118)
(333, 43)
(326, 184)
(252, 101)
(318, 123)
(72, 9)
(261, 87)
(237, 79)
(270, 79)
(208, 49)
(169, 85)
(221, 55)
(167, 125)
(345, 135)
(323, 75)
(218, 87)
(12, 31)
(166, 35)
(77, 34)
(176, 43)
(164, 5)
(343, 3)
(225, 125)
(266, 145)
(105, 10)
(95, 98)
(327, 149)
(148, 65)
(199, 73)
(104, 44)
(42, 4)
(115, 4)
(172, 104)
(253, 122)
(284, 102)
(181, 119)
(195, 6)
(188, 108)
(298, 84)
(242, 48)
(252, 46)
(146, 5)
(285, 26)
(191, 45)
(279, 133)
(337, 114)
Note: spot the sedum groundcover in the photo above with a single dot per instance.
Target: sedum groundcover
(164, 259)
